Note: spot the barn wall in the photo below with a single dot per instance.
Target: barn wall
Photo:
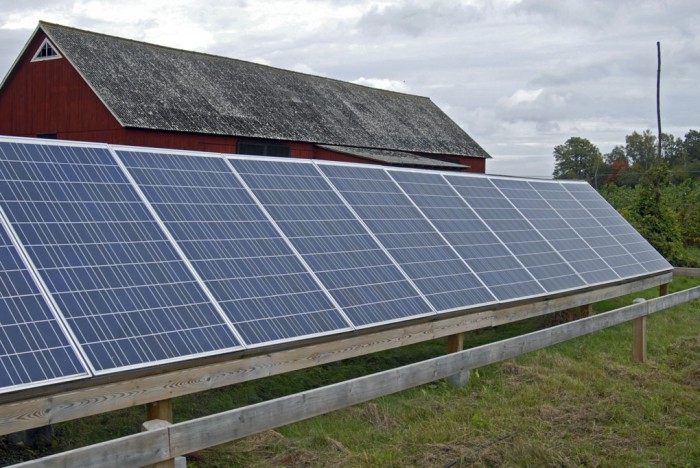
(50, 97)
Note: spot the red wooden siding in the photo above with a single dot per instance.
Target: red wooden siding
(50, 97)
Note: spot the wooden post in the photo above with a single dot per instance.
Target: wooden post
(639, 336)
(586, 310)
(162, 410)
(152, 425)
(455, 343)
(159, 414)
(663, 289)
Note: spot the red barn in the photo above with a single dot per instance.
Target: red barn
(78, 85)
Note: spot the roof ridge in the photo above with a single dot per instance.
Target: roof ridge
(222, 57)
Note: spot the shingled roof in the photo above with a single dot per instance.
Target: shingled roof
(399, 158)
(152, 87)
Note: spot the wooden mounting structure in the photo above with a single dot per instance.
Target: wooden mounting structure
(85, 398)
(167, 441)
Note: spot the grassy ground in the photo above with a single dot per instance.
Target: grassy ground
(579, 403)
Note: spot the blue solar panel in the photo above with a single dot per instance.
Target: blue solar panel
(433, 266)
(34, 348)
(511, 227)
(253, 273)
(564, 239)
(471, 238)
(128, 297)
(359, 275)
(618, 227)
(600, 240)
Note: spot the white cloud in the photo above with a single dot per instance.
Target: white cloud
(383, 83)
(523, 96)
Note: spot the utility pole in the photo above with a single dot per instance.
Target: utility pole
(658, 93)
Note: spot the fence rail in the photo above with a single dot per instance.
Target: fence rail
(680, 271)
(78, 402)
(169, 441)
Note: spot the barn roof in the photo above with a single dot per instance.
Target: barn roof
(393, 157)
(154, 87)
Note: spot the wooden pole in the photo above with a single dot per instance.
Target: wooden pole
(455, 344)
(162, 410)
(639, 336)
(155, 425)
(658, 93)
(586, 310)
(663, 289)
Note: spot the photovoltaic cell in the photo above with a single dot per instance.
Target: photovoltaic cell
(600, 240)
(469, 236)
(556, 231)
(34, 350)
(618, 227)
(528, 246)
(252, 272)
(436, 270)
(359, 275)
(127, 296)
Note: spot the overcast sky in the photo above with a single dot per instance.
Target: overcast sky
(519, 76)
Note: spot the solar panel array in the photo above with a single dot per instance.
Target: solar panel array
(120, 258)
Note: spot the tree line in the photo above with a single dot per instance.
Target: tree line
(659, 194)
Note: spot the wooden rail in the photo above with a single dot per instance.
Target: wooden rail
(679, 271)
(96, 399)
(168, 441)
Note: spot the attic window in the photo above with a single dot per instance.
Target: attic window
(46, 51)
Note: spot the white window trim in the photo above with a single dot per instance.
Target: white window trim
(52, 57)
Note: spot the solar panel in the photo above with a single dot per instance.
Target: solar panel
(114, 260)
(127, 296)
(618, 227)
(34, 349)
(475, 243)
(253, 273)
(600, 240)
(565, 240)
(511, 227)
(421, 252)
(358, 274)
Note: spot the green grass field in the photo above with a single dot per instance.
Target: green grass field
(584, 402)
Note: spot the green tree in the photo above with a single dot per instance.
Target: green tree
(684, 200)
(641, 149)
(692, 145)
(577, 158)
(672, 149)
(616, 154)
(653, 218)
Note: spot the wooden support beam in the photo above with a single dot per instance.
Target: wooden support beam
(182, 438)
(455, 344)
(639, 336)
(91, 398)
(587, 310)
(154, 425)
(639, 340)
(663, 289)
(160, 410)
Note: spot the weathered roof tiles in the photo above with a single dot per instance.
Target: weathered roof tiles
(153, 87)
